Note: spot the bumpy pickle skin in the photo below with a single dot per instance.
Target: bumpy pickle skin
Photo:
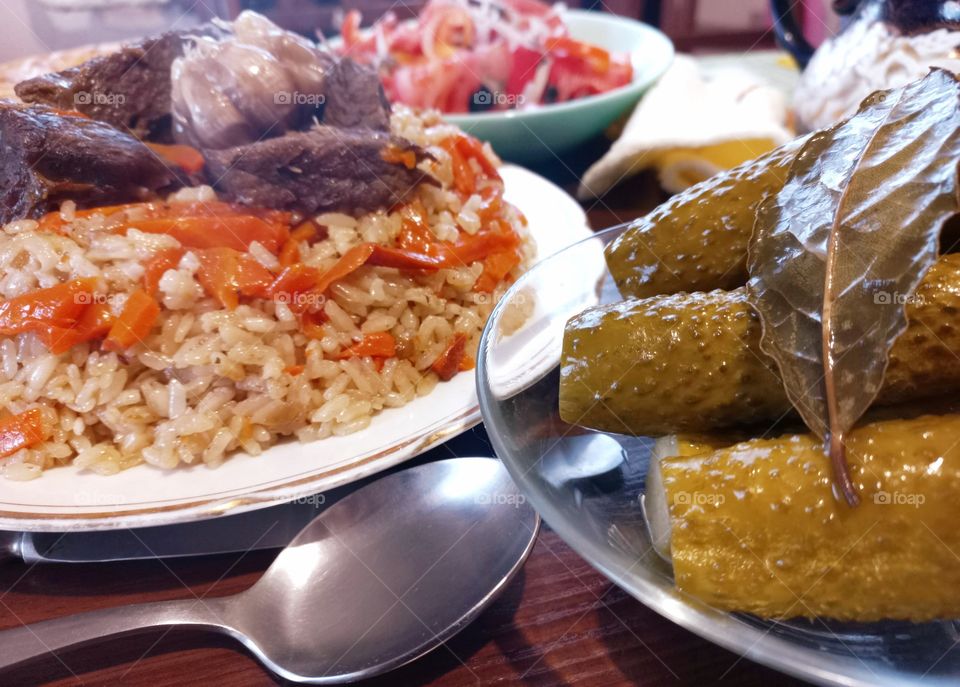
(692, 362)
(697, 240)
(757, 528)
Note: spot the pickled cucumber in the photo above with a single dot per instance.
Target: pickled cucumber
(757, 528)
(692, 362)
(697, 241)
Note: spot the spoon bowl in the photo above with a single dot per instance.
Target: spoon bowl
(378, 579)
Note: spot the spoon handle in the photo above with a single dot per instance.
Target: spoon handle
(21, 644)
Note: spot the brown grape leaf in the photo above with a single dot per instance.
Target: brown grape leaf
(837, 252)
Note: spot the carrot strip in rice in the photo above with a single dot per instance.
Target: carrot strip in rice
(139, 314)
(21, 431)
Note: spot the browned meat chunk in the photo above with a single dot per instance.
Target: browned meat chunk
(47, 157)
(320, 170)
(129, 89)
(354, 97)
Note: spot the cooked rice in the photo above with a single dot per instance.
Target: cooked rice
(209, 381)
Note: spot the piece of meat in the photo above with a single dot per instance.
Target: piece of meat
(354, 97)
(321, 170)
(129, 89)
(47, 157)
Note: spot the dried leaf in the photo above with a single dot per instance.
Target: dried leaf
(835, 255)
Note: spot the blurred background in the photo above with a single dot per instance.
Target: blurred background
(35, 26)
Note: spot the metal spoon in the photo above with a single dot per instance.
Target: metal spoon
(380, 578)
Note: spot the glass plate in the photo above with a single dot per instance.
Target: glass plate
(587, 485)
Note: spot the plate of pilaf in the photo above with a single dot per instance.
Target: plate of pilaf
(219, 293)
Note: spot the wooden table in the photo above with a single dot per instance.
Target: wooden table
(559, 623)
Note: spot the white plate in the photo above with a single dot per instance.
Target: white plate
(69, 499)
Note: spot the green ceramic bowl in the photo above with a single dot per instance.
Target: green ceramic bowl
(543, 132)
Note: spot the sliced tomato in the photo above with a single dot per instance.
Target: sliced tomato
(596, 57)
(523, 68)
(573, 77)
(139, 314)
(227, 274)
(447, 28)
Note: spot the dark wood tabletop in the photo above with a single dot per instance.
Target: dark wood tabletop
(560, 622)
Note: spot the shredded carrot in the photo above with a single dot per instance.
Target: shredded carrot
(227, 274)
(496, 267)
(448, 364)
(57, 306)
(350, 262)
(310, 324)
(290, 252)
(157, 266)
(231, 231)
(187, 158)
(414, 234)
(468, 363)
(468, 249)
(384, 256)
(464, 178)
(394, 155)
(294, 370)
(139, 314)
(95, 323)
(21, 431)
(376, 345)
(463, 148)
(52, 221)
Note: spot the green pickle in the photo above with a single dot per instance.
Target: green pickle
(757, 528)
(697, 241)
(692, 362)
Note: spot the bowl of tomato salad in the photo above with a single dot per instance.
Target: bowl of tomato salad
(534, 80)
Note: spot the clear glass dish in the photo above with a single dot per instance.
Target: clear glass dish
(587, 486)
